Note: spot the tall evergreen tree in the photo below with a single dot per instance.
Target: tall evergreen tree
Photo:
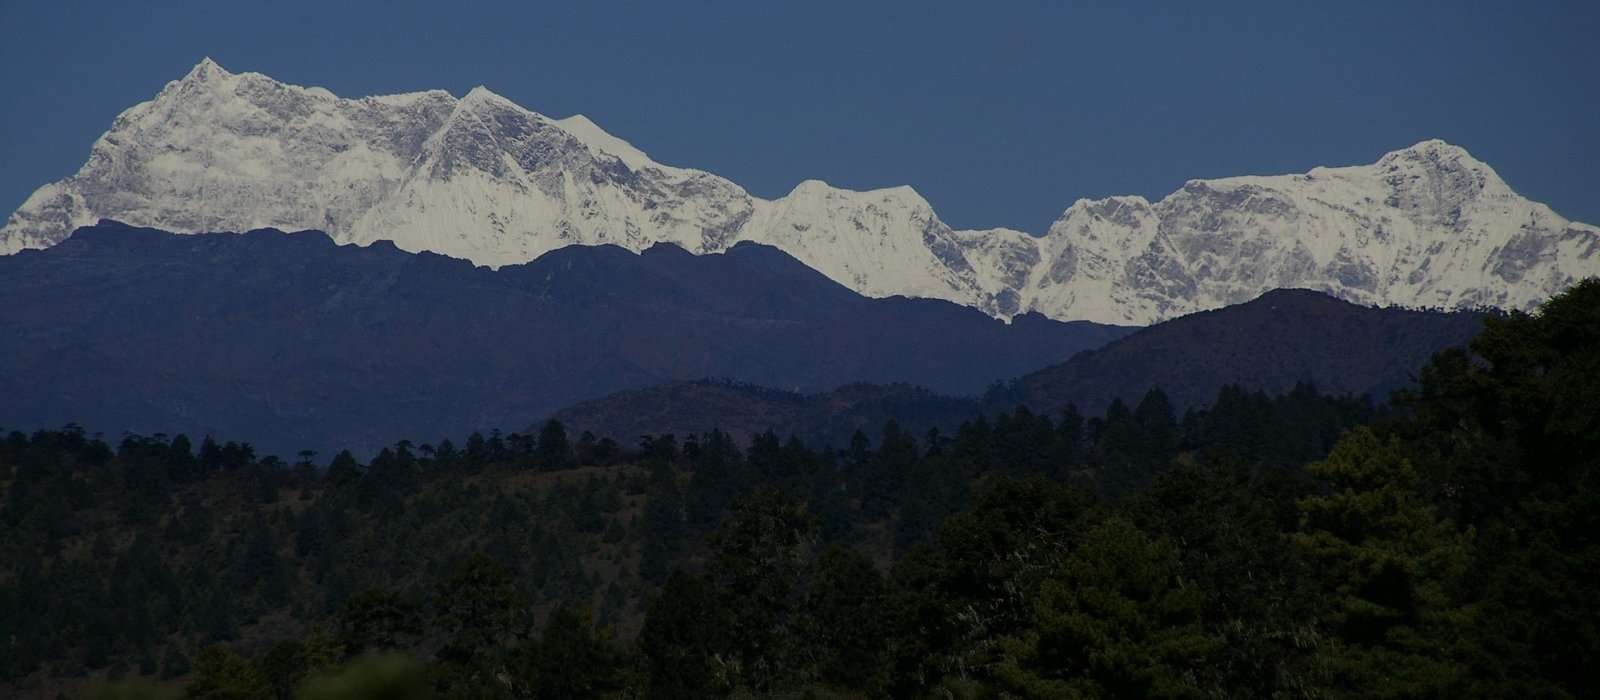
(1394, 569)
(553, 450)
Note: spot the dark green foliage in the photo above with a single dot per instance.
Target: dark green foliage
(378, 619)
(283, 667)
(220, 674)
(1388, 565)
(1507, 443)
(718, 478)
(757, 559)
(479, 615)
(1230, 524)
(680, 640)
(1267, 546)
(1112, 617)
(210, 559)
(553, 450)
(132, 690)
(344, 469)
(389, 677)
(845, 622)
(663, 525)
(174, 663)
(569, 661)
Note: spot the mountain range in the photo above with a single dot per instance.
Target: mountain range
(1271, 344)
(291, 341)
(481, 178)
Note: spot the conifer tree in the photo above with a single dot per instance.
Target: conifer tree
(1393, 569)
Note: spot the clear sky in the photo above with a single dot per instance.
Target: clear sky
(1001, 114)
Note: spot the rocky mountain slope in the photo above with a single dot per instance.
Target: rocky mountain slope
(484, 179)
(291, 341)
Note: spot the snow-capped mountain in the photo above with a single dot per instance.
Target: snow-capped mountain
(1426, 226)
(484, 179)
(476, 178)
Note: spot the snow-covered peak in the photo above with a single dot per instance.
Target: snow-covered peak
(585, 130)
(205, 71)
(483, 178)
(1431, 149)
(1115, 208)
(1427, 225)
(210, 89)
(1436, 158)
(480, 95)
(206, 77)
(814, 190)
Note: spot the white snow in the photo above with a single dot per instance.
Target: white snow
(485, 179)
(591, 133)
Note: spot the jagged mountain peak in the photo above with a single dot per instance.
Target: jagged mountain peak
(819, 190)
(1431, 149)
(205, 71)
(1117, 208)
(1441, 161)
(480, 101)
(585, 130)
(481, 97)
(209, 76)
(486, 179)
(480, 93)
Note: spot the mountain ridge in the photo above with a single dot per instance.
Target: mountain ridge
(297, 341)
(485, 179)
(1272, 345)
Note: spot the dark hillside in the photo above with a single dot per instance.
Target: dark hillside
(291, 342)
(1283, 338)
(741, 410)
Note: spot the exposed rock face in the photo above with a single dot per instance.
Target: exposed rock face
(484, 179)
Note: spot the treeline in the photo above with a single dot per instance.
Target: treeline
(1297, 545)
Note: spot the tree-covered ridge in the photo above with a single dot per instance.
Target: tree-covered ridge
(1273, 342)
(1296, 546)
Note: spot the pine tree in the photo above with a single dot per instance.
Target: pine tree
(757, 558)
(569, 661)
(553, 451)
(681, 639)
(1393, 567)
(844, 624)
(1114, 619)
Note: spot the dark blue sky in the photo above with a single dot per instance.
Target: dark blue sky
(998, 115)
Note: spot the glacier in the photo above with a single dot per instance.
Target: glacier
(482, 178)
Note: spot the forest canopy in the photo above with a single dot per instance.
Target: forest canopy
(1297, 545)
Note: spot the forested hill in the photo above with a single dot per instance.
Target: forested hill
(291, 342)
(1279, 341)
(1296, 545)
(743, 411)
(135, 559)
(1283, 338)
